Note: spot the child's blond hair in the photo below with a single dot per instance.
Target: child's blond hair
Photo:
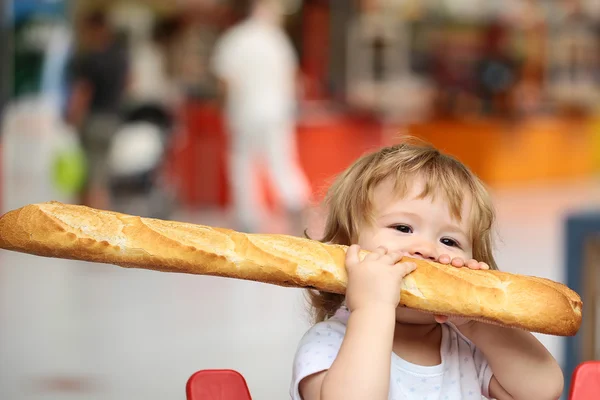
(349, 201)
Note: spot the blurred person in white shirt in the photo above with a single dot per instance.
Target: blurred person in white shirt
(257, 68)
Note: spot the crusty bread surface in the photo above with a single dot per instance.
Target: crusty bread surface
(81, 233)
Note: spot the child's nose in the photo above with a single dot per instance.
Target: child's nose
(424, 250)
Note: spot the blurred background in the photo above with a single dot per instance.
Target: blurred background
(234, 114)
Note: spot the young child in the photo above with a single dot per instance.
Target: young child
(411, 200)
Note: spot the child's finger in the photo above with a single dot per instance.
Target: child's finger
(392, 257)
(352, 255)
(444, 259)
(458, 262)
(473, 264)
(381, 250)
(377, 254)
(406, 268)
(483, 265)
(440, 319)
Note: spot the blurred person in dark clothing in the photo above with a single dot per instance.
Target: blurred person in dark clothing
(99, 77)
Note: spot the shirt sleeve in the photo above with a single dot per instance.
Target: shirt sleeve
(484, 372)
(316, 351)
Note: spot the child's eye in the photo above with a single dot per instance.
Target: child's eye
(402, 228)
(450, 242)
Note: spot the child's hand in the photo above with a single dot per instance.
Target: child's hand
(459, 262)
(374, 281)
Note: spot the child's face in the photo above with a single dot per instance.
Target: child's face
(417, 227)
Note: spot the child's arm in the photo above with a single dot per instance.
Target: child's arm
(361, 369)
(363, 359)
(523, 368)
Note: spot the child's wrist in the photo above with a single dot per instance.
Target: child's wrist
(375, 309)
(381, 315)
(374, 323)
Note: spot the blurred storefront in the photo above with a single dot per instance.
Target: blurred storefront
(477, 79)
(473, 80)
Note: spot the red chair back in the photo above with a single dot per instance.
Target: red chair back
(585, 383)
(217, 384)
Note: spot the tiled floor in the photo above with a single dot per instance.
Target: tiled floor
(135, 334)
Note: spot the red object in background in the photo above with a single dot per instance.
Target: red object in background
(330, 146)
(326, 147)
(199, 164)
(315, 49)
(585, 383)
(223, 384)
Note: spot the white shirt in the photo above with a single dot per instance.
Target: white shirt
(258, 63)
(463, 374)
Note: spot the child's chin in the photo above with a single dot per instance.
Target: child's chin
(409, 316)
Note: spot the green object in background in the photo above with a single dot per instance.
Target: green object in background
(69, 170)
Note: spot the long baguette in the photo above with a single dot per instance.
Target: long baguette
(81, 233)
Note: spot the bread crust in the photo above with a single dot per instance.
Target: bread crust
(77, 232)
